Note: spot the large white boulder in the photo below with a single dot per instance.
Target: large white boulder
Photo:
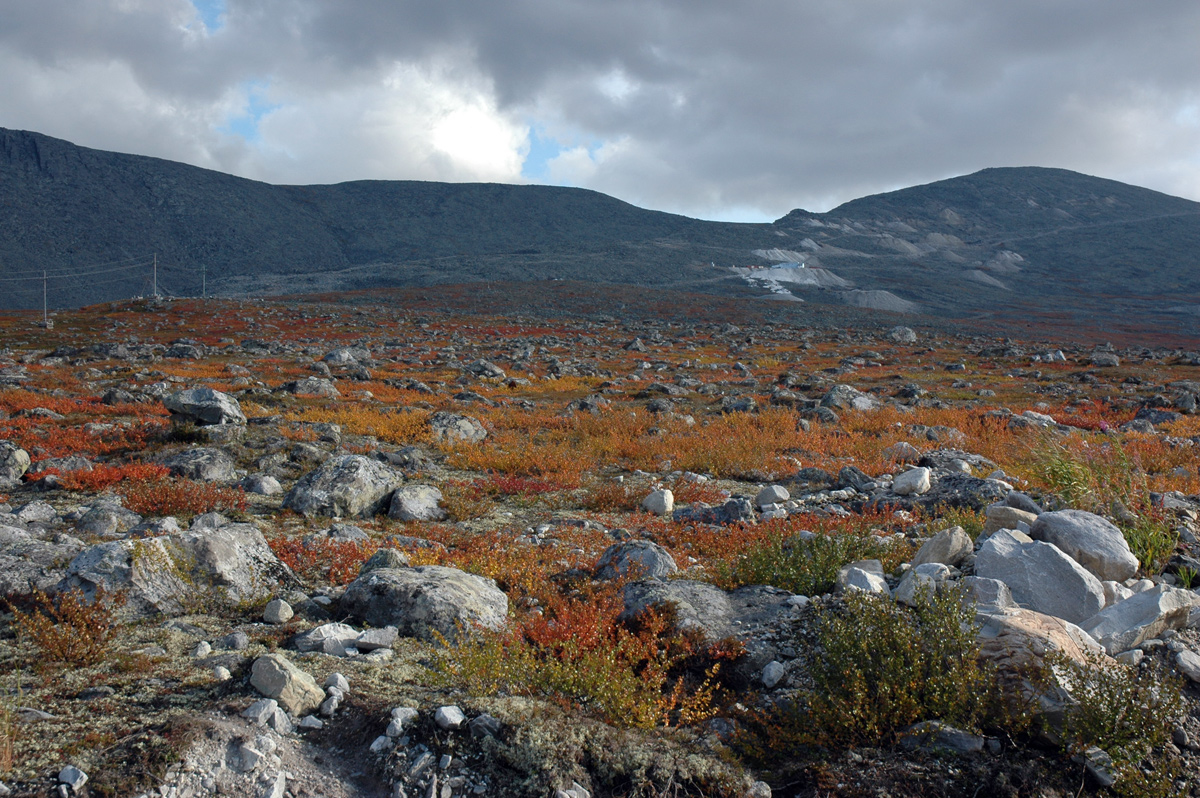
(1040, 576)
(351, 485)
(204, 407)
(1140, 617)
(949, 547)
(1092, 541)
(425, 602)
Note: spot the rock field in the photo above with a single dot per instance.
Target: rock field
(304, 548)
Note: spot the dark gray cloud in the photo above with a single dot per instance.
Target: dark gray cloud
(709, 108)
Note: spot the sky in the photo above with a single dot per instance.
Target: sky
(739, 110)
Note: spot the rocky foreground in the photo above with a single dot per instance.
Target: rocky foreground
(336, 552)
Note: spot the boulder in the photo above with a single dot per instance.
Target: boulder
(865, 575)
(902, 452)
(148, 570)
(417, 503)
(232, 561)
(426, 601)
(1017, 641)
(1140, 617)
(731, 512)
(845, 397)
(1040, 576)
(1002, 516)
(204, 407)
(276, 677)
(453, 428)
(914, 482)
(950, 547)
(329, 638)
(1090, 540)
(107, 520)
(201, 463)
(28, 562)
(262, 485)
(988, 595)
(311, 386)
(14, 462)
(350, 485)
(659, 502)
(642, 558)
(915, 588)
(771, 494)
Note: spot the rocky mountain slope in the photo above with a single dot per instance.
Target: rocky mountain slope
(1023, 246)
(348, 549)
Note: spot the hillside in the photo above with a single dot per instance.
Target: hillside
(1013, 247)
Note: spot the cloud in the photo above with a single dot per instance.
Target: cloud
(710, 108)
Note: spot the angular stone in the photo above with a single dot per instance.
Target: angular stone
(1001, 516)
(1140, 617)
(449, 717)
(1090, 540)
(643, 558)
(1188, 663)
(276, 677)
(659, 502)
(426, 601)
(202, 463)
(350, 485)
(989, 595)
(865, 575)
(950, 547)
(277, 611)
(417, 503)
(372, 639)
(913, 482)
(915, 589)
(14, 462)
(384, 558)
(317, 639)
(1040, 576)
(772, 494)
(205, 407)
(453, 428)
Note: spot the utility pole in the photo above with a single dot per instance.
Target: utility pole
(45, 310)
(155, 294)
(203, 281)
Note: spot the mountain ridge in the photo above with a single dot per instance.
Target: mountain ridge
(1006, 244)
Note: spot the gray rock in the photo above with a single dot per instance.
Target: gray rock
(73, 777)
(28, 562)
(989, 595)
(374, 639)
(276, 677)
(384, 558)
(261, 710)
(262, 485)
(1140, 617)
(36, 512)
(149, 571)
(903, 335)
(311, 386)
(1002, 516)
(659, 502)
(417, 503)
(858, 579)
(329, 637)
(845, 397)
(902, 452)
(453, 428)
(1090, 540)
(1020, 501)
(1040, 576)
(639, 557)
(950, 547)
(914, 482)
(449, 717)
(277, 611)
(107, 520)
(934, 735)
(426, 601)
(772, 494)
(1188, 663)
(915, 589)
(232, 562)
(204, 407)
(486, 369)
(202, 463)
(350, 485)
(14, 462)
(773, 673)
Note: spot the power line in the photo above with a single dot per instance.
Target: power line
(130, 260)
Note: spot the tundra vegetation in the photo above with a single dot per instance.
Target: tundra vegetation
(675, 552)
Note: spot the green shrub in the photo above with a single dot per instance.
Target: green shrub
(1129, 714)
(879, 666)
(1152, 539)
(808, 567)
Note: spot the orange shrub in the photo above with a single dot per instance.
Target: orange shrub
(103, 476)
(179, 496)
(337, 562)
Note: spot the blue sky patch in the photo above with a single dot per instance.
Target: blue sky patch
(246, 124)
(212, 12)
